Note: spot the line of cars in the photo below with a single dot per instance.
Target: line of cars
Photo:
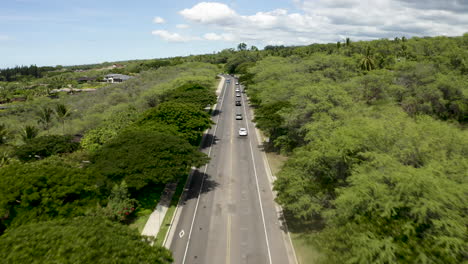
(238, 100)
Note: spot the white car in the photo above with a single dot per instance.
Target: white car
(238, 116)
(237, 89)
(243, 131)
(237, 83)
(238, 95)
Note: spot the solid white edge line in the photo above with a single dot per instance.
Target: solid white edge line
(203, 179)
(258, 188)
(271, 179)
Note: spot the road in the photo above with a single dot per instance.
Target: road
(228, 214)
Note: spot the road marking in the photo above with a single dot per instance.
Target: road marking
(228, 255)
(182, 233)
(258, 188)
(203, 179)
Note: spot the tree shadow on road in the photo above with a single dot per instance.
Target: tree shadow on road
(208, 141)
(194, 189)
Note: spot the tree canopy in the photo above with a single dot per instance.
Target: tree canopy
(141, 157)
(78, 240)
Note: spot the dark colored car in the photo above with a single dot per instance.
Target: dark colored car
(238, 103)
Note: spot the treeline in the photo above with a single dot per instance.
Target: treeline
(377, 150)
(19, 73)
(65, 194)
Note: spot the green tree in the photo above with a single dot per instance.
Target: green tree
(119, 206)
(396, 213)
(367, 62)
(62, 112)
(46, 189)
(241, 47)
(192, 93)
(29, 132)
(188, 118)
(45, 146)
(45, 117)
(142, 157)
(78, 240)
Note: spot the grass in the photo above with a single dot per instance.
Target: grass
(147, 198)
(170, 212)
(300, 236)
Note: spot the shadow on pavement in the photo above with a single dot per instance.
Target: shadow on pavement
(216, 112)
(208, 185)
(208, 141)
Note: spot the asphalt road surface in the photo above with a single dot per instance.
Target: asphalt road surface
(228, 214)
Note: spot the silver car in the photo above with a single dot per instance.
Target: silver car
(238, 116)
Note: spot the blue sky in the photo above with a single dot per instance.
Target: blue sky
(70, 32)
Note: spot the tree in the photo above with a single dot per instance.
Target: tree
(142, 157)
(45, 117)
(29, 132)
(62, 112)
(396, 213)
(253, 48)
(45, 146)
(188, 118)
(119, 206)
(367, 62)
(46, 189)
(79, 240)
(242, 46)
(191, 93)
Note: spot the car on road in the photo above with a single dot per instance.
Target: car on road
(238, 116)
(237, 89)
(238, 103)
(237, 83)
(242, 131)
(238, 95)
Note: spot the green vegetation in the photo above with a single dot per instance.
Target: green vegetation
(122, 152)
(78, 240)
(377, 149)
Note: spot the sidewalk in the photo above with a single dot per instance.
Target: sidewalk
(156, 218)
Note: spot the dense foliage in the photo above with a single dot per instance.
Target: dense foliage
(45, 146)
(43, 190)
(141, 157)
(377, 149)
(78, 240)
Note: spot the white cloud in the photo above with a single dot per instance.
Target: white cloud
(209, 12)
(223, 36)
(329, 20)
(159, 20)
(182, 26)
(171, 37)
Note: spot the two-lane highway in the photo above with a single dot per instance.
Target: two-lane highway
(228, 214)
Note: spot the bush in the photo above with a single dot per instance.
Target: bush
(79, 240)
(45, 146)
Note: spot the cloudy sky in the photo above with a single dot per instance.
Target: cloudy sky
(68, 32)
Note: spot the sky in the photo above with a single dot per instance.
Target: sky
(73, 32)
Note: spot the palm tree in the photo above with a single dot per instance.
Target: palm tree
(367, 63)
(29, 132)
(45, 117)
(348, 42)
(62, 112)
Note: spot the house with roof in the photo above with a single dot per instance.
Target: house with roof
(116, 78)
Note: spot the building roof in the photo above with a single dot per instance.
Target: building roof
(118, 76)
